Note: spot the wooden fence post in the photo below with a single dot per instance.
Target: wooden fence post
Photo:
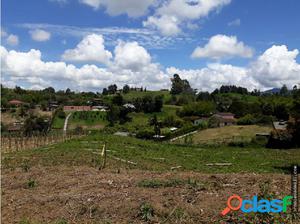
(103, 155)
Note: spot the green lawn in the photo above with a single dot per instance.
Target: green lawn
(58, 123)
(88, 119)
(156, 156)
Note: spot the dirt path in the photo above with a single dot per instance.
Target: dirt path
(87, 195)
(66, 122)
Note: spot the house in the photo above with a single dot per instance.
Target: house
(100, 108)
(173, 129)
(280, 125)
(224, 119)
(52, 105)
(129, 106)
(77, 108)
(15, 103)
(199, 121)
(15, 127)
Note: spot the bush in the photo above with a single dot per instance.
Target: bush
(246, 120)
(280, 139)
(145, 134)
(61, 114)
(264, 119)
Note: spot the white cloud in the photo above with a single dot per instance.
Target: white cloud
(276, 66)
(167, 25)
(215, 75)
(173, 14)
(90, 49)
(131, 56)
(30, 70)
(222, 46)
(132, 8)
(12, 40)
(40, 35)
(145, 37)
(236, 22)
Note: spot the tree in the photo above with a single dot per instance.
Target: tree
(49, 90)
(104, 91)
(112, 89)
(284, 91)
(180, 85)
(126, 89)
(281, 112)
(113, 115)
(202, 108)
(267, 109)
(117, 100)
(158, 103)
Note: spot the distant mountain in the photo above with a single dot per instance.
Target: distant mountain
(272, 91)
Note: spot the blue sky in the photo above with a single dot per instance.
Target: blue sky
(252, 43)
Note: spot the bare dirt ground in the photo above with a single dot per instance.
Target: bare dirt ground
(87, 195)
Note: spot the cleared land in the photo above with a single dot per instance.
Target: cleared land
(62, 183)
(246, 132)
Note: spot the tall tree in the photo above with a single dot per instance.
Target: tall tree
(180, 85)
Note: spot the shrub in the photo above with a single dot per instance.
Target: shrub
(145, 134)
(246, 120)
(146, 212)
(31, 183)
(61, 114)
(280, 139)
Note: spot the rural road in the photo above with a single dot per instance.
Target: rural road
(182, 136)
(66, 122)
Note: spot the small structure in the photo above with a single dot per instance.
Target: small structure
(129, 106)
(199, 121)
(173, 129)
(225, 119)
(100, 108)
(15, 127)
(122, 133)
(16, 103)
(77, 108)
(52, 105)
(280, 125)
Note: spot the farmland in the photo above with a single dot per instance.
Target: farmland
(240, 132)
(166, 177)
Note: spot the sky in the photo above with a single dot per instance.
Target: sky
(87, 45)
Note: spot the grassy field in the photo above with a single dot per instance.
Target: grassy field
(141, 119)
(246, 132)
(88, 119)
(157, 156)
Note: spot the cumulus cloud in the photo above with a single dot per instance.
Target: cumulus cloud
(12, 40)
(29, 68)
(90, 49)
(131, 56)
(276, 66)
(175, 13)
(132, 64)
(132, 8)
(40, 35)
(222, 46)
(215, 75)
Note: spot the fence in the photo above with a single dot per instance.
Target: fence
(12, 143)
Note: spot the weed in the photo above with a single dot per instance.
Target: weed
(25, 165)
(61, 221)
(31, 183)
(146, 212)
